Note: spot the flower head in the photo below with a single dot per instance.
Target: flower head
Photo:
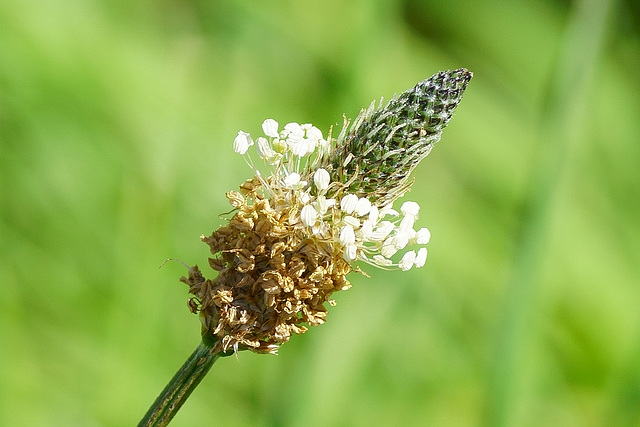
(324, 205)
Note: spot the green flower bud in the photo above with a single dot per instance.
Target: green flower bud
(377, 154)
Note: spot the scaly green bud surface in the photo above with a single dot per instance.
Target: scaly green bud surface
(376, 156)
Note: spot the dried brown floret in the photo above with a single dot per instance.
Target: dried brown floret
(271, 278)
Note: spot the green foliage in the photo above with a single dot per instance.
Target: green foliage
(116, 128)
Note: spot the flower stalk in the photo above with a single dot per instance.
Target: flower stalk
(180, 387)
(324, 207)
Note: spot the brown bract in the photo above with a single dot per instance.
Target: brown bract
(274, 277)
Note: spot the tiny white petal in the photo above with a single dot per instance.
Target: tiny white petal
(321, 205)
(347, 235)
(388, 210)
(382, 231)
(410, 209)
(293, 128)
(305, 197)
(348, 203)
(407, 261)
(373, 214)
(366, 230)
(292, 180)
(270, 128)
(314, 133)
(423, 236)
(264, 148)
(280, 145)
(352, 221)
(363, 207)
(382, 261)
(402, 239)
(407, 224)
(308, 215)
(321, 178)
(310, 146)
(297, 144)
(350, 252)
(242, 142)
(421, 258)
(388, 250)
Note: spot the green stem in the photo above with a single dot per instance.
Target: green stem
(180, 387)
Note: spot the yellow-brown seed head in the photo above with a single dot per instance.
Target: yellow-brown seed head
(272, 277)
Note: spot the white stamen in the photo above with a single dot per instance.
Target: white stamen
(347, 235)
(363, 207)
(292, 180)
(410, 209)
(321, 178)
(308, 215)
(423, 236)
(242, 142)
(421, 258)
(407, 261)
(270, 128)
(348, 203)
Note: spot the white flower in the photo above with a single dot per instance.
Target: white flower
(352, 221)
(302, 139)
(323, 204)
(373, 214)
(312, 132)
(406, 225)
(388, 210)
(264, 149)
(350, 252)
(421, 258)
(347, 235)
(402, 239)
(382, 261)
(410, 209)
(407, 261)
(423, 236)
(270, 128)
(382, 231)
(348, 203)
(363, 207)
(242, 142)
(366, 230)
(280, 145)
(308, 215)
(294, 136)
(293, 129)
(298, 145)
(388, 250)
(292, 180)
(321, 178)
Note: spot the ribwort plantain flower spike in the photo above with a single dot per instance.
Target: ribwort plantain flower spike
(325, 204)
(297, 231)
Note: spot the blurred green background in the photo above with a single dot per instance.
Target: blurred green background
(116, 126)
